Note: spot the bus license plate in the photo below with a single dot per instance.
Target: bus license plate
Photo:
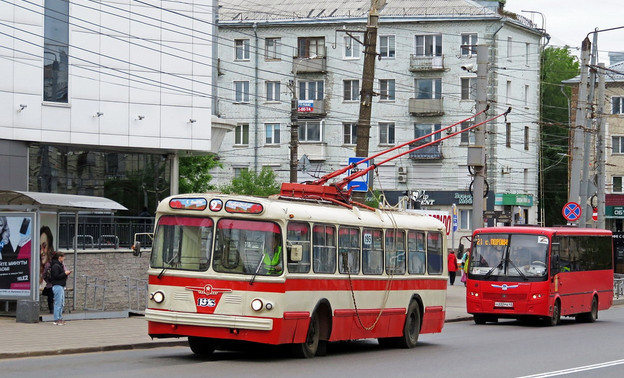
(503, 304)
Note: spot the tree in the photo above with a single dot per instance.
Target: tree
(557, 65)
(194, 173)
(250, 183)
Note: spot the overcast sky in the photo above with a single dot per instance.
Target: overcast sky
(569, 21)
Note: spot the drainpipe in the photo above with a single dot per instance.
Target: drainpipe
(256, 126)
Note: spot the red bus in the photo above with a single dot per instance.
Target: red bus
(539, 272)
(226, 269)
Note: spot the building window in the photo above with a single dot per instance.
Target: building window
(422, 129)
(241, 47)
(469, 43)
(508, 93)
(429, 45)
(351, 90)
(386, 46)
(241, 135)
(241, 91)
(527, 49)
(526, 95)
(526, 138)
(509, 48)
(272, 90)
(349, 133)
(351, 47)
(310, 131)
(272, 49)
(465, 217)
(467, 137)
(467, 88)
(508, 134)
(617, 105)
(239, 170)
(617, 184)
(272, 131)
(311, 47)
(311, 90)
(55, 49)
(428, 88)
(386, 133)
(386, 89)
(617, 144)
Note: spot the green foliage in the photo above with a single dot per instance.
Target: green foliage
(194, 173)
(557, 65)
(250, 183)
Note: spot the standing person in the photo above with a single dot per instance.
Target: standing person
(46, 251)
(452, 267)
(465, 262)
(59, 280)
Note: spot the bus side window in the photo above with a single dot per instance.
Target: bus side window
(416, 252)
(299, 233)
(324, 249)
(349, 250)
(434, 253)
(555, 253)
(372, 251)
(395, 251)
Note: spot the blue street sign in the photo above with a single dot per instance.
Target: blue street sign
(572, 211)
(360, 184)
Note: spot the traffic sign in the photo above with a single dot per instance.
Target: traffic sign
(595, 214)
(572, 211)
(359, 184)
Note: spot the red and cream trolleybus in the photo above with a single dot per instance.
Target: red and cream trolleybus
(277, 271)
(540, 272)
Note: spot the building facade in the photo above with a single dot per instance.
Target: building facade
(101, 98)
(424, 80)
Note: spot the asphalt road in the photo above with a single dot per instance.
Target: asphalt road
(463, 349)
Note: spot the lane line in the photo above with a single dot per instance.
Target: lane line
(575, 370)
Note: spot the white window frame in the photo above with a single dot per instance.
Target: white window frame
(468, 89)
(619, 186)
(617, 105)
(468, 137)
(272, 91)
(470, 39)
(423, 41)
(241, 92)
(242, 50)
(617, 144)
(241, 134)
(352, 48)
(387, 46)
(526, 95)
(387, 89)
(305, 88)
(387, 133)
(436, 90)
(304, 125)
(508, 93)
(350, 137)
(465, 219)
(272, 48)
(351, 90)
(272, 133)
(432, 127)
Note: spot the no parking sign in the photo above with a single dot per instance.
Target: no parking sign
(572, 211)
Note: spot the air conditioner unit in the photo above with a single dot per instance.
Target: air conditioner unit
(402, 170)
(402, 178)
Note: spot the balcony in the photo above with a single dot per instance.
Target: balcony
(314, 151)
(426, 63)
(433, 152)
(316, 64)
(426, 107)
(311, 108)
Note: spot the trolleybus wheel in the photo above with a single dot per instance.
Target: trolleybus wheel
(556, 315)
(309, 348)
(592, 315)
(411, 329)
(202, 346)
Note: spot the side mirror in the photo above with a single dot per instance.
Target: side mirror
(136, 249)
(460, 250)
(295, 252)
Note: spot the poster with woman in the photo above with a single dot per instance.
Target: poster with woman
(15, 254)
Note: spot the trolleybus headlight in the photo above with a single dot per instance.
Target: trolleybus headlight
(269, 306)
(257, 304)
(158, 296)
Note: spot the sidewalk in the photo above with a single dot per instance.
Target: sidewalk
(82, 336)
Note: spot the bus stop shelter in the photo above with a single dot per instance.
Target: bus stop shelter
(21, 216)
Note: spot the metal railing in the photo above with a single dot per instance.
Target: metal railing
(94, 302)
(98, 231)
(137, 294)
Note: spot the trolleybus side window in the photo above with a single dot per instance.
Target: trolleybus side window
(434, 253)
(248, 247)
(395, 252)
(299, 233)
(349, 250)
(182, 243)
(416, 252)
(372, 251)
(324, 249)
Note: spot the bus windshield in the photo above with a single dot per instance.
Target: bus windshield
(182, 243)
(509, 256)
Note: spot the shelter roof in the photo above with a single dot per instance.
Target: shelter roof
(60, 202)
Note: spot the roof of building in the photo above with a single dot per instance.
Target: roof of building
(300, 10)
(613, 74)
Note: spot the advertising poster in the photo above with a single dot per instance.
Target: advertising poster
(15, 254)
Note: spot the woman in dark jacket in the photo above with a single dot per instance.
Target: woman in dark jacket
(59, 280)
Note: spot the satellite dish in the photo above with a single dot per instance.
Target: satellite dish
(304, 164)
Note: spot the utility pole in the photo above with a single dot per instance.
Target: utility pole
(579, 129)
(368, 77)
(587, 188)
(294, 129)
(476, 155)
(600, 155)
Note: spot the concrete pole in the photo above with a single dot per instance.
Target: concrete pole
(579, 133)
(586, 184)
(294, 130)
(479, 170)
(600, 153)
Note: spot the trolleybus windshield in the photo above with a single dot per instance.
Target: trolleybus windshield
(509, 257)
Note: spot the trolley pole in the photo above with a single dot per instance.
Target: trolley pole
(476, 155)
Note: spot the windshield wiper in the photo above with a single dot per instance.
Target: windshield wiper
(253, 278)
(489, 273)
(518, 269)
(162, 272)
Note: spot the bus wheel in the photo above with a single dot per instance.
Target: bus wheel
(309, 348)
(480, 318)
(556, 315)
(591, 316)
(411, 329)
(202, 346)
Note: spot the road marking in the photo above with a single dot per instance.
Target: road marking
(576, 369)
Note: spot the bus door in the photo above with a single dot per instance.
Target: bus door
(562, 284)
